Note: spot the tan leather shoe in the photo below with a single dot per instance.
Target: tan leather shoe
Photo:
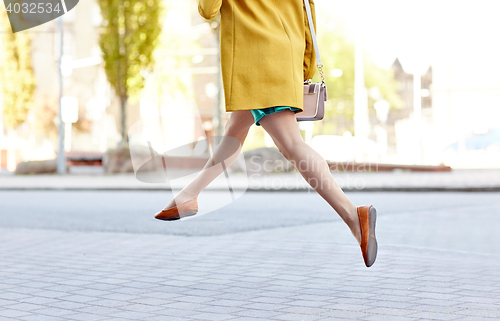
(367, 217)
(185, 209)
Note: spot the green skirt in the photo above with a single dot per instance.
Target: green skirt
(259, 113)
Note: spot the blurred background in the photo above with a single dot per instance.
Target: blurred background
(409, 82)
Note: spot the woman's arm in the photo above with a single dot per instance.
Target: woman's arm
(208, 8)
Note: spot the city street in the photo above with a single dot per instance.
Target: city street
(101, 255)
(108, 109)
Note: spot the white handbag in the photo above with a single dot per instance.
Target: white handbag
(314, 93)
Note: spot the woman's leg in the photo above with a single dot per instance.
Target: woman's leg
(236, 131)
(283, 129)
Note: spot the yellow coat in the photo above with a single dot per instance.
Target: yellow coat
(266, 51)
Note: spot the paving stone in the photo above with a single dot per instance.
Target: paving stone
(85, 317)
(11, 313)
(246, 319)
(125, 276)
(4, 302)
(40, 318)
(38, 300)
(13, 296)
(207, 316)
(171, 312)
(132, 315)
(25, 306)
(51, 294)
(56, 312)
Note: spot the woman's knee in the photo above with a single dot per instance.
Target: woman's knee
(239, 120)
(238, 125)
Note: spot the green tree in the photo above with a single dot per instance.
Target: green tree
(129, 36)
(17, 80)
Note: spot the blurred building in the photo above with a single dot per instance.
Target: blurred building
(406, 91)
(187, 67)
(83, 79)
(396, 140)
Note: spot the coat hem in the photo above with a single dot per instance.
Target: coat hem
(229, 108)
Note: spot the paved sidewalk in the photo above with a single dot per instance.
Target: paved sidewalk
(456, 180)
(56, 275)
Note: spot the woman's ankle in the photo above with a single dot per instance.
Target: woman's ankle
(352, 221)
(187, 194)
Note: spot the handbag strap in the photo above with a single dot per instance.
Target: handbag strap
(315, 42)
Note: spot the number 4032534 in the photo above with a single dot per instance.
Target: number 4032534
(32, 8)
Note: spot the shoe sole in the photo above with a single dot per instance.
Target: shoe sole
(177, 217)
(372, 247)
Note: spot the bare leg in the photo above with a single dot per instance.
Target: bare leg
(236, 131)
(283, 129)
